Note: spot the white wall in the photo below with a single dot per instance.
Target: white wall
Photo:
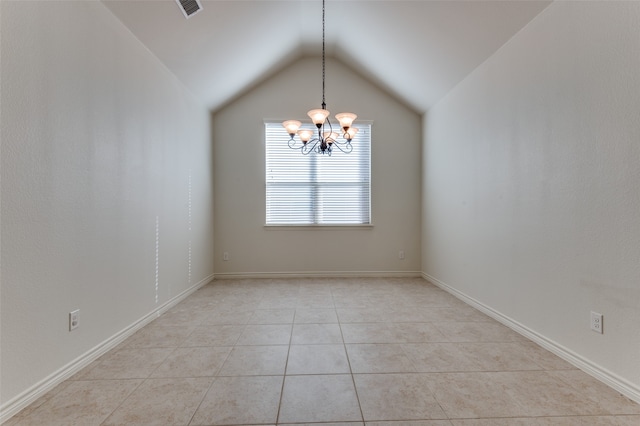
(98, 140)
(532, 183)
(239, 174)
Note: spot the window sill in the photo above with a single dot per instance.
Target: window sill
(318, 227)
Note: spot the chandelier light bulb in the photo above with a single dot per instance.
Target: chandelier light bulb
(292, 126)
(330, 137)
(351, 133)
(346, 120)
(305, 135)
(318, 116)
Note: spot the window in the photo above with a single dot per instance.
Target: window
(317, 189)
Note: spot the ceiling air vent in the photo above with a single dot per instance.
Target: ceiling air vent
(189, 7)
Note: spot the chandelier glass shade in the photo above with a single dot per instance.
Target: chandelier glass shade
(323, 139)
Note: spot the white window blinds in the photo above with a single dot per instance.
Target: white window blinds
(317, 189)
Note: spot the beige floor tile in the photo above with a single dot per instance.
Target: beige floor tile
(391, 333)
(274, 334)
(188, 317)
(379, 358)
(326, 424)
(240, 401)
(214, 335)
(315, 316)
(272, 316)
(255, 361)
(545, 395)
(368, 333)
(499, 356)
(627, 420)
(82, 403)
(432, 298)
(439, 357)
(342, 299)
(615, 402)
(161, 402)
(544, 358)
(545, 421)
(477, 332)
(475, 395)
(397, 397)
(14, 421)
(411, 423)
(37, 403)
(193, 362)
(459, 313)
(386, 305)
(363, 315)
(228, 317)
(577, 421)
(155, 336)
(464, 312)
(309, 334)
(416, 333)
(126, 363)
(277, 302)
(495, 422)
(317, 359)
(411, 314)
(315, 302)
(327, 398)
(438, 314)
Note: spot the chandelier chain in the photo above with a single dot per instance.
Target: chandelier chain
(324, 105)
(326, 139)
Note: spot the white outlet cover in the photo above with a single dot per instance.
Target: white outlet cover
(596, 322)
(74, 319)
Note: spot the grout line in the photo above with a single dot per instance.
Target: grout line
(346, 353)
(204, 395)
(286, 366)
(124, 399)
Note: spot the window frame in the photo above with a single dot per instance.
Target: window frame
(336, 152)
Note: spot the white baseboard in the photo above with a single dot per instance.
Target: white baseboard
(313, 274)
(612, 380)
(15, 405)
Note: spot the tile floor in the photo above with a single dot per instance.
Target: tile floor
(241, 352)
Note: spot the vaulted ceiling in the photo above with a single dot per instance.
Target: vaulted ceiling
(417, 50)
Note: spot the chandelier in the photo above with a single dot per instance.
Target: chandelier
(324, 139)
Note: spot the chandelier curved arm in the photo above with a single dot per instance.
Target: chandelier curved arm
(310, 146)
(304, 147)
(293, 143)
(345, 146)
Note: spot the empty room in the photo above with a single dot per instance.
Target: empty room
(330, 212)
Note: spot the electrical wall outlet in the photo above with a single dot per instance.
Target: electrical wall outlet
(596, 322)
(401, 254)
(225, 256)
(74, 319)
